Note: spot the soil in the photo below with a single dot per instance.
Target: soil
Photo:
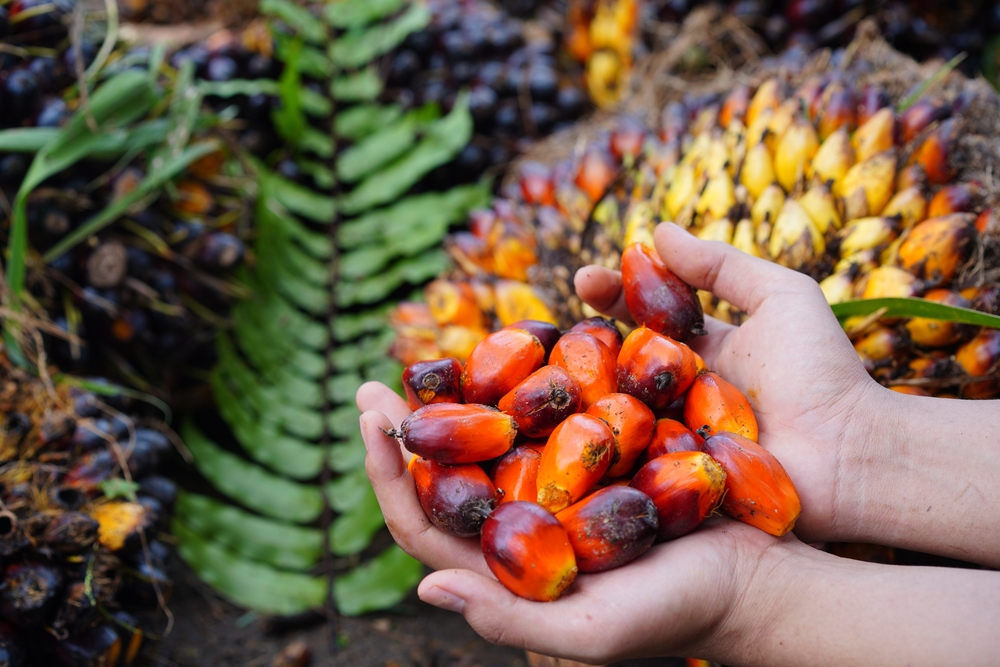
(210, 632)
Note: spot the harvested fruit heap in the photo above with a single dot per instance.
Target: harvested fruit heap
(81, 508)
(600, 446)
(868, 174)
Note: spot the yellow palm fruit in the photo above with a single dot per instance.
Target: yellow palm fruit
(682, 190)
(795, 241)
(458, 342)
(833, 159)
(768, 205)
(639, 224)
(909, 204)
(707, 119)
(718, 198)
(781, 121)
(717, 230)
(517, 301)
(886, 281)
(743, 238)
(757, 130)
(821, 207)
(717, 157)
(838, 287)
(938, 333)
(762, 234)
(768, 96)
(876, 135)
(863, 261)
(880, 344)
(867, 186)
(758, 170)
(736, 145)
(605, 76)
(891, 253)
(866, 234)
(698, 149)
(795, 150)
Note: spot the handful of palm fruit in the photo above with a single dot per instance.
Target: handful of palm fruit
(576, 451)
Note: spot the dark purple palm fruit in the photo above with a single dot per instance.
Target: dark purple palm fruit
(220, 250)
(221, 68)
(54, 113)
(29, 593)
(20, 97)
(99, 645)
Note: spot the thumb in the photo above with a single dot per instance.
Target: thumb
(727, 272)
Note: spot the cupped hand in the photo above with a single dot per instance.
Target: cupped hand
(816, 407)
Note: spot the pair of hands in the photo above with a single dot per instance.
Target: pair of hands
(813, 400)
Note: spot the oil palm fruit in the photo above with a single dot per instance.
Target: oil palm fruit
(590, 362)
(656, 298)
(499, 363)
(610, 527)
(670, 435)
(938, 333)
(603, 330)
(685, 487)
(516, 474)
(542, 401)
(454, 433)
(631, 423)
(576, 456)
(655, 369)
(457, 498)
(714, 405)
(980, 358)
(936, 248)
(434, 381)
(758, 491)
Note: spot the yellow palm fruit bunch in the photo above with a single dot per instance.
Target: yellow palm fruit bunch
(604, 34)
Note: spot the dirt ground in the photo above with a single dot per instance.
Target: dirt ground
(209, 632)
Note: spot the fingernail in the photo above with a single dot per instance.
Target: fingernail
(364, 431)
(443, 599)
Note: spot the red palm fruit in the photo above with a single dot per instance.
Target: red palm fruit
(936, 248)
(735, 105)
(537, 186)
(627, 138)
(758, 490)
(839, 111)
(499, 363)
(872, 99)
(685, 487)
(953, 199)
(610, 528)
(516, 474)
(528, 551)
(981, 357)
(453, 302)
(547, 333)
(654, 368)
(542, 401)
(934, 154)
(657, 298)
(437, 381)
(576, 456)
(456, 499)
(589, 361)
(454, 433)
(669, 436)
(714, 405)
(938, 333)
(603, 330)
(987, 223)
(919, 116)
(596, 172)
(631, 423)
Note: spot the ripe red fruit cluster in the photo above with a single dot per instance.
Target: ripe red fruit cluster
(575, 452)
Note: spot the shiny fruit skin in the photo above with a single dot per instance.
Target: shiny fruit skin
(528, 551)
(456, 499)
(454, 433)
(938, 333)
(546, 332)
(603, 330)
(936, 248)
(596, 172)
(499, 363)
(685, 487)
(542, 401)
(610, 528)
(437, 381)
(758, 490)
(980, 357)
(654, 368)
(656, 298)
(589, 361)
(576, 456)
(715, 405)
(516, 474)
(631, 423)
(669, 436)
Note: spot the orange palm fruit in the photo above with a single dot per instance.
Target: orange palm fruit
(516, 474)
(542, 401)
(981, 357)
(935, 153)
(735, 105)
(886, 281)
(685, 487)
(546, 332)
(610, 528)
(499, 363)
(758, 490)
(627, 138)
(453, 303)
(909, 389)
(880, 344)
(456, 499)
(456, 433)
(655, 369)
(576, 456)
(919, 116)
(537, 186)
(470, 252)
(595, 173)
(957, 198)
(194, 197)
(589, 361)
(938, 333)
(528, 551)
(937, 247)
(714, 405)
(987, 223)
(669, 436)
(603, 330)
(436, 381)
(767, 96)
(838, 112)
(631, 423)
(657, 298)
(912, 175)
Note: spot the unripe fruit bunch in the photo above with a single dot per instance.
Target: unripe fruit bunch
(575, 451)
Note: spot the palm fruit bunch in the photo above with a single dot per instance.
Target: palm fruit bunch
(604, 34)
(81, 510)
(521, 87)
(575, 451)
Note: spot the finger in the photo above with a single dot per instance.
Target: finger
(601, 288)
(377, 396)
(727, 272)
(397, 497)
